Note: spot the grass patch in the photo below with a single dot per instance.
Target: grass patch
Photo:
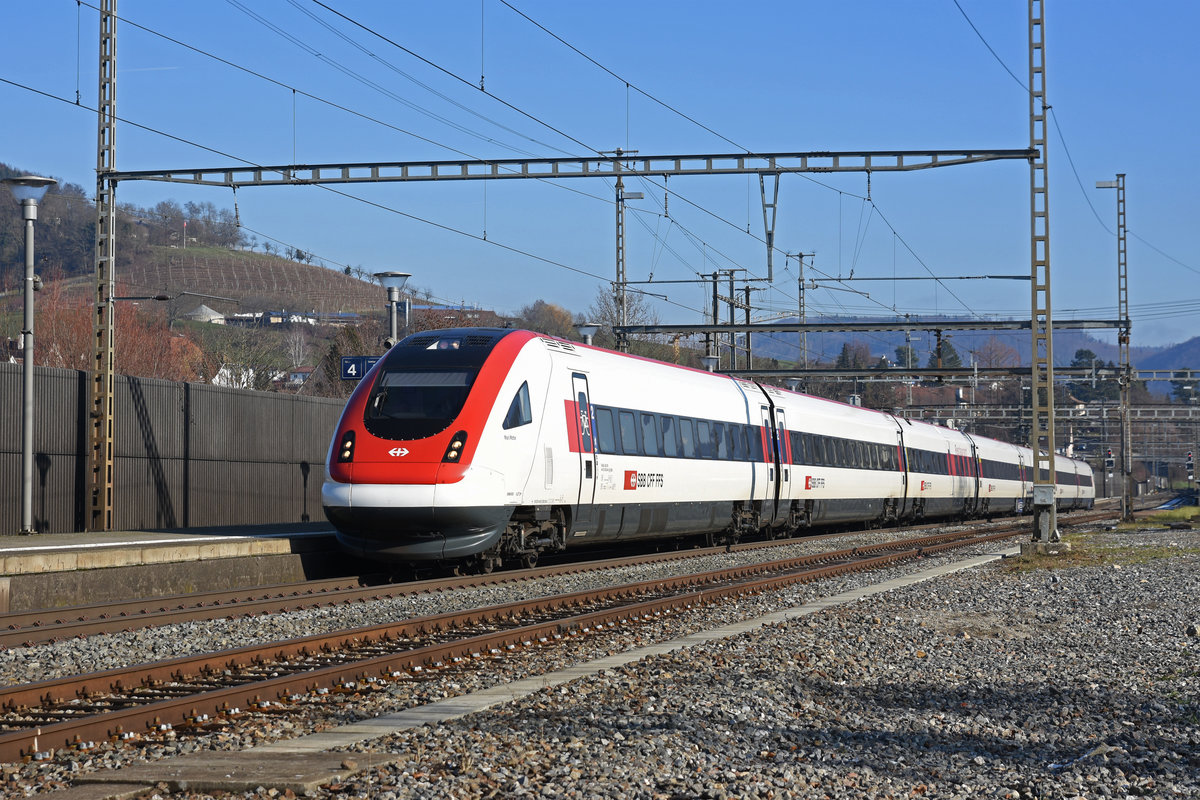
(1181, 514)
(1087, 550)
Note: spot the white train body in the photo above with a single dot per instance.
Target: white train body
(560, 444)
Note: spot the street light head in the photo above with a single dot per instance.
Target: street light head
(29, 187)
(1106, 185)
(393, 280)
(587, 330)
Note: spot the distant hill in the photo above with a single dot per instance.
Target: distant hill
(785, 346)
(255, 279)
(1177, 356)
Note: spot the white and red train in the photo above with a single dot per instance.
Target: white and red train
(479, 446)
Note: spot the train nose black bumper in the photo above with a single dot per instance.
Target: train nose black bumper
(400, 534)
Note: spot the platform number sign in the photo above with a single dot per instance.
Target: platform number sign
(355, 367)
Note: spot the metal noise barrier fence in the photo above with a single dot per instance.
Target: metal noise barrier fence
(186, 455)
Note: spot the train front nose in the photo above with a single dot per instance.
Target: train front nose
(422, 522)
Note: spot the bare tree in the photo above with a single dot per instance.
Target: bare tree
(297, 345)
(638, 311)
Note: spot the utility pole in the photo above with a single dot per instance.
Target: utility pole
(621, 297)
(1042, 442)
(103, 378)
(1126, 377)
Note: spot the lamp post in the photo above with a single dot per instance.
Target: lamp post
(587, 330)
(393, 282)
(28, 190)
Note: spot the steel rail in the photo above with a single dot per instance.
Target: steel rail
(115, 723)
(25, 628)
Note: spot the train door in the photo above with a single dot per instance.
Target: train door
(783, 447)
(972, 470)
(771, 456)
(1025, 488)
(583, 429)
(902, 507)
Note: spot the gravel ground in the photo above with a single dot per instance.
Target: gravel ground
(1075, 682)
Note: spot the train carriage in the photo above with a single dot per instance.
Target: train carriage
(482, 446)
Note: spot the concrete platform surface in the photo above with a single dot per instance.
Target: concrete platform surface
(61, 552)
(59, 570)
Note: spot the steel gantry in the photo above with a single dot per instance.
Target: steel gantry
(618, 165)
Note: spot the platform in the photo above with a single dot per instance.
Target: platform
(66, 569)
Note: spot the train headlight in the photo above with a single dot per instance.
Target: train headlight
(346, 448)
(454, 451)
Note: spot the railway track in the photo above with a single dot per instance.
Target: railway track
(20, 629)
(197, 693)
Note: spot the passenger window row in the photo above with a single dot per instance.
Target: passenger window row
(622, 431)
(819, 450)
(1001, 470)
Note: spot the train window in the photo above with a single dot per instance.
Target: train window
(519, 412)
(859, 460)
(718, 447)
(754, 437)
(670, 447)
(703, 450)
(629, 437)
(737, 442)
(606, 437)
(687, 439)
(650, 438)
(414, 404)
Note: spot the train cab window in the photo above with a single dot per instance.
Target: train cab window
(670, 446)
(416, 403)
(519, 412)
(650, 438)
(628, 430)
(687, 439)
(606, 437)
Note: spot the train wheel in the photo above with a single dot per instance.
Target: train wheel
(486, 565)
(529, 560)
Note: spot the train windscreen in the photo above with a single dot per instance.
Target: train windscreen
(414, 404)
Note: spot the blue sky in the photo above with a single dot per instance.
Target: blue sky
(760, 76)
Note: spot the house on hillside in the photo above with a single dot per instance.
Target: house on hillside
(292, 380)
(203, 313)
(263, 319)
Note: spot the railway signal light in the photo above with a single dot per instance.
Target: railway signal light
(1109, 462)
